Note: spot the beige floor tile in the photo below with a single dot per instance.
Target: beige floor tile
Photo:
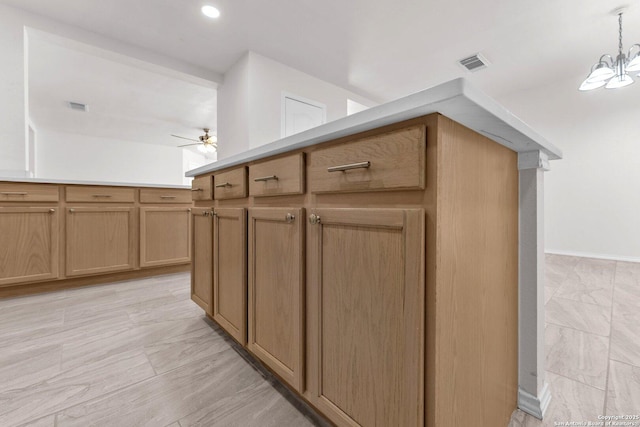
(623, 395)
(582, 316)
(625, 334)
(548, 293)
(591, 285)
(577, 355)
(48, 421)
(20, 369)
(72, 387)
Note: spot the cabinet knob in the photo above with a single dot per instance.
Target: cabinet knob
(290, 217)
(314, 219)
(205, 213)
(72, 210)
(189, 210)
(52, 210)
(214, 213)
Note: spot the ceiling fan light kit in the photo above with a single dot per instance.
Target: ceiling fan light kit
(206, 143)
(610, 73)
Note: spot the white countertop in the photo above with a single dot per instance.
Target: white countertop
(456, 99)
(74, 182)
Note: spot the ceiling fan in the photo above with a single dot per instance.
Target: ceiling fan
(206, 143)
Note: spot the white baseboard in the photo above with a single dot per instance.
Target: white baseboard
(592, 255)
(534, 405)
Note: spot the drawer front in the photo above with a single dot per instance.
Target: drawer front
(100, 194)
(231, 184)
(201, 188)
(277, 177)
(391, 161)
(19, 192)
(162, 195)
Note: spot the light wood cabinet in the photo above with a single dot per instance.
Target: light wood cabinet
(28, 244)
(366, 315)
(99, 240)
(230, 271)
(165, 236)
(386, 303)
(202, 261)
(276, 291)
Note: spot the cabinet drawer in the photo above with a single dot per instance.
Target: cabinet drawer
(231, 184)
(277, 177)
(391, 161)
(19, 192)
(201, 188)
(162, 195)
(100, 194)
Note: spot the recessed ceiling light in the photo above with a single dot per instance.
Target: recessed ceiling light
(210, 11)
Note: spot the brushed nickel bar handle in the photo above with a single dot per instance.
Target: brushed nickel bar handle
(266, 178)
(196, 189)
(102, 195)
(167, 197)
(224, 184)
(14, 193)
(342, 168)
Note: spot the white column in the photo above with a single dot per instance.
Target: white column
(533, 390)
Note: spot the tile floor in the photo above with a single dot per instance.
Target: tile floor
(136, 353)
(592, 341)
(140, 353)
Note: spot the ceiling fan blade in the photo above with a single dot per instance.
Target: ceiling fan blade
(189, 145)
(182, 137)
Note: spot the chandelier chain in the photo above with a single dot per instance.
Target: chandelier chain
(620, 33)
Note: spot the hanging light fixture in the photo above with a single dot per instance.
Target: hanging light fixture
(610, 73)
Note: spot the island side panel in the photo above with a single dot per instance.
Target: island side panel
(476, 288)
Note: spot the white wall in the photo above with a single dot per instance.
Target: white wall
(13, 137)
(71, 156)
(233, 110)
(592, 196)
(250, 101)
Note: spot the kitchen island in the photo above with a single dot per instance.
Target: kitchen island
(386, 266)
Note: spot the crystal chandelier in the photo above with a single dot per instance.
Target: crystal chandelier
(614, 73)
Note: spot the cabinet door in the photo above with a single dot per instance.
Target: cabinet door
(100, 240)
(28, 244)
(276, 291)
(165, 236)
(230, 271)
(366, 323)
(202, 262)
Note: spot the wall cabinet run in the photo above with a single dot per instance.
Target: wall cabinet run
(59, 235)
(384, 282)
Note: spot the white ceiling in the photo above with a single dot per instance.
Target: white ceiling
(379, 49)
(124, 102)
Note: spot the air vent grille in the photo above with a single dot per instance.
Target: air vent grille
(77, 106)
(474, 63)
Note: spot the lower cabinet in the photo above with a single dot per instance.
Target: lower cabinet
(230, 271)
(365, 312)
(276, 291)
(202, 261)
(165, 236)
(100, 240)
(28, 244)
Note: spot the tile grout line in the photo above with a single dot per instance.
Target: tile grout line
(606, 390)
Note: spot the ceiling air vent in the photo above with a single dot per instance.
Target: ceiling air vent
(474, 63)
(77, 106)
